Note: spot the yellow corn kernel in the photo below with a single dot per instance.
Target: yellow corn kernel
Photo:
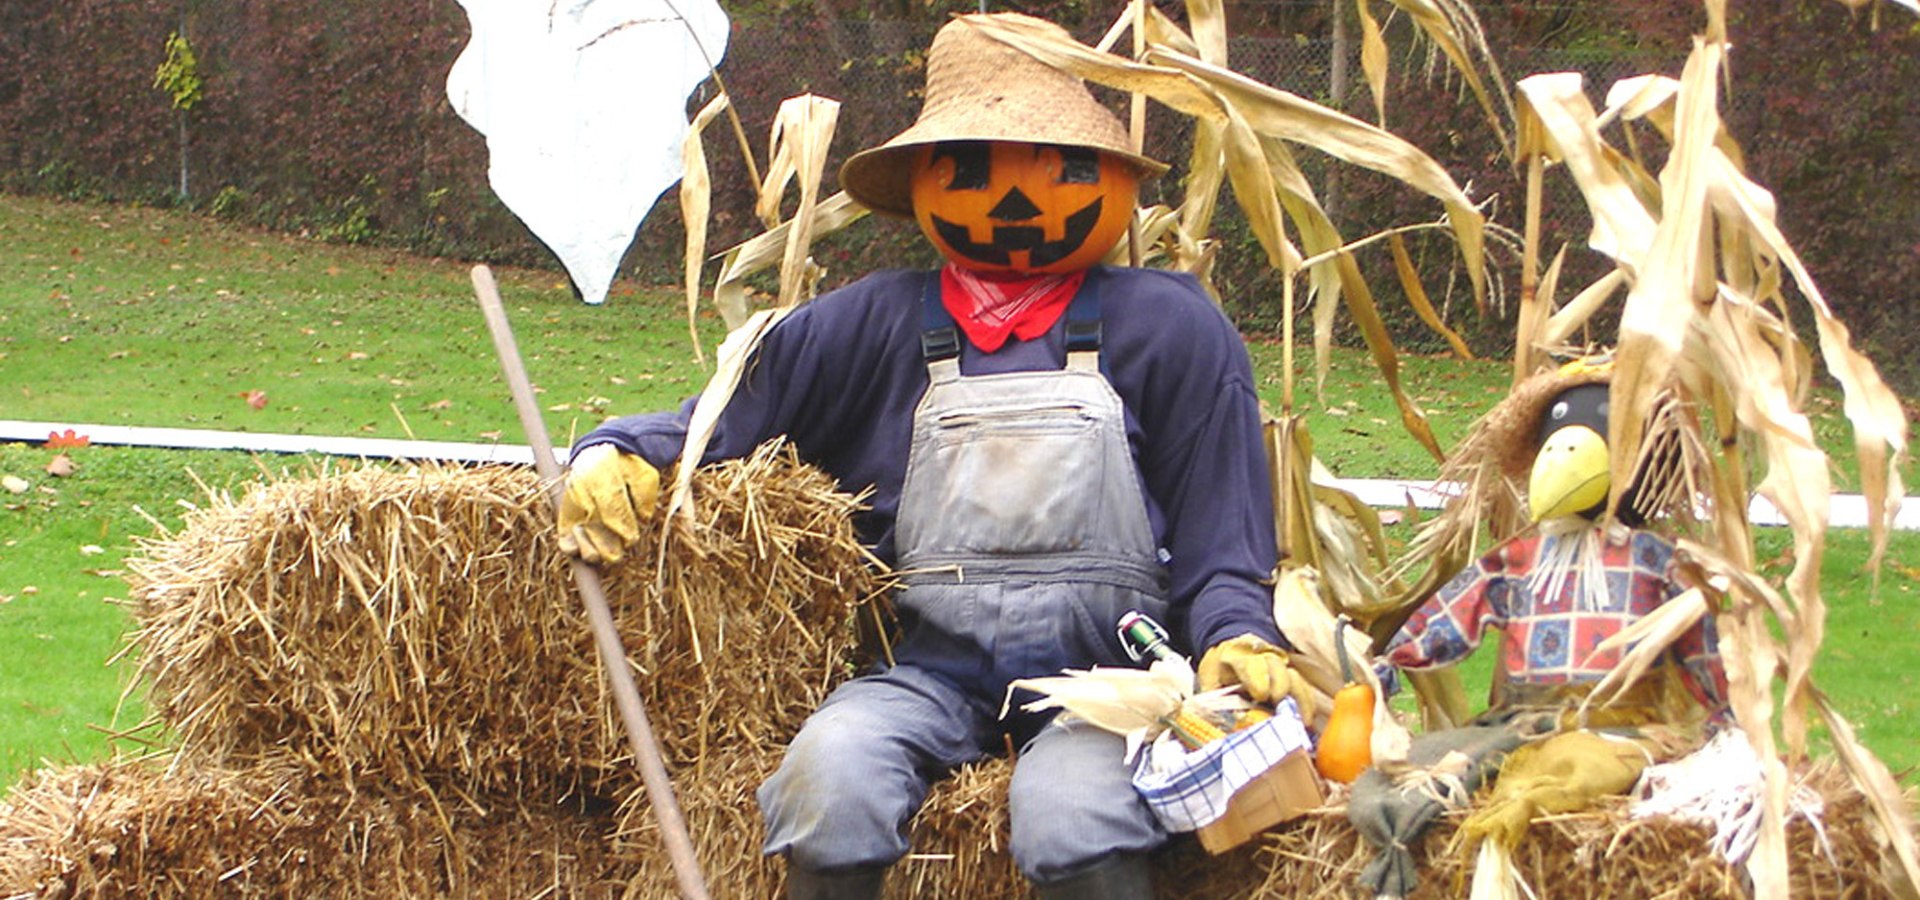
(1192, 730)
(1249, 717)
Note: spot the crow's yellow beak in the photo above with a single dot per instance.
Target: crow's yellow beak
(1570, 474)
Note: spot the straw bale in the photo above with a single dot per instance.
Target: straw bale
(137, 830)
(420, 625)
(715, 794)
(153, 829)
(959, 842)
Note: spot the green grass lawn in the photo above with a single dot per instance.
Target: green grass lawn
(129, 316)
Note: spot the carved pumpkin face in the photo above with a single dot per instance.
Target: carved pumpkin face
(1012, 207)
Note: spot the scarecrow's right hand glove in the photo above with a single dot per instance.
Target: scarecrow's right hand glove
(609, 493)
(1259, 668)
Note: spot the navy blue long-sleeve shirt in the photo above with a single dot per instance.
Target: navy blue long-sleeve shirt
(841, 376)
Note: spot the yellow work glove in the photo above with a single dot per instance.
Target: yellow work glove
(609, 493)
(1564, 773)
(1259, 668)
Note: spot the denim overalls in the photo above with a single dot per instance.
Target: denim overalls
(1023, 537)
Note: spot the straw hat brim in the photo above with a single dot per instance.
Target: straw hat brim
(979, 89)
(1511, 429)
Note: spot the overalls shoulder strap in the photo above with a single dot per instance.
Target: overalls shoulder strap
(940, 335)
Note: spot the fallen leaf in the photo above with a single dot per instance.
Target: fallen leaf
(30, 590)
(92, 550)
(60, 466)
(255, 399)
(15, 483)
(60, 440)
(440, 404)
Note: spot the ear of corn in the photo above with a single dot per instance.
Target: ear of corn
(1192, 729)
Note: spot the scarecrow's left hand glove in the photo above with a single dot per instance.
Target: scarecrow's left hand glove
(1564, 773)
(1259, 668)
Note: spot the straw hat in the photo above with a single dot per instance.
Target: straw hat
(1512, 429)
(979, 89)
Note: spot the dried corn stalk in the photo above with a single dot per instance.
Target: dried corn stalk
(1705, 314)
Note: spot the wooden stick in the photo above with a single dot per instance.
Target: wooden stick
(666, 809)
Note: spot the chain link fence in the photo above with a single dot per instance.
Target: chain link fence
(331, 120)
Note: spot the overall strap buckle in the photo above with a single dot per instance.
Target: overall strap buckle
(939, 335)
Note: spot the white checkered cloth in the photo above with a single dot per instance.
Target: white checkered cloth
(1193, 791)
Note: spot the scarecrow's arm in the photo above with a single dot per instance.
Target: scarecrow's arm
(825, 377)
(1183, 372)
(1449, 625)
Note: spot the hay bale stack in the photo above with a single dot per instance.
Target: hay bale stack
(157, 828)
(381, 685)
(399, 627)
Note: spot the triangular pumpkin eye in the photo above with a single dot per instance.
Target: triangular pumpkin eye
(972, 164)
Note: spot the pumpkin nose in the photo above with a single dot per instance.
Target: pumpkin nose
(1014, 207)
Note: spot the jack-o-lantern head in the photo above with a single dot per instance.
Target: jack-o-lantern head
(1002, 206)
(1014, 155)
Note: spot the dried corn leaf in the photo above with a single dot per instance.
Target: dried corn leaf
(1877, 785)
(735, 353)
(1644, 642)
(802, 132)
(696, 199)
(1452, 26)
(1373, 59)
(1577, 311)
(1278, 114)
(1417, 296)
(1561, 125)
(765, 249)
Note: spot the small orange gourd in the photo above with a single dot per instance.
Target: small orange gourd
(1346, 745)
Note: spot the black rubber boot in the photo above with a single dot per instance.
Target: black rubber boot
(862, 883)
(1120, 877)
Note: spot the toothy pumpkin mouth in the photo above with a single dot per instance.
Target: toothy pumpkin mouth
(1029, 238)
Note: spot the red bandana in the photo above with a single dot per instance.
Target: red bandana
(991, 306)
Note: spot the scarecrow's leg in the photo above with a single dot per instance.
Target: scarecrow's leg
(1392, 816)
(861, 767)
(1564, 773)
(1077, 820)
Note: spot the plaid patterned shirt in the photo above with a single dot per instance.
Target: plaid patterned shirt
(1551, 624)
